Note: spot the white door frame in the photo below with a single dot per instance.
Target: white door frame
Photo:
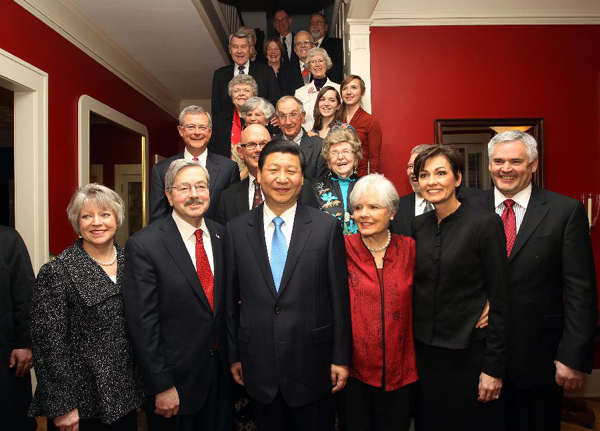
(123, 175)
(30, 86)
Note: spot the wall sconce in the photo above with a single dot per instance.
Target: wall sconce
(591, 202)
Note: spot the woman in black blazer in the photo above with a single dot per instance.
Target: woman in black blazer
(84, 364)
(461, 263)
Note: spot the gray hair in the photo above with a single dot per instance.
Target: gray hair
(312, 39)
(337, 137)
(419, 148)
(192, 110)
(515, 135)
(98, 195)
(295, 99)
(176, 166)
(243, 79)
(388, 196)
(262, 104)
(319, 51)
(241, 35)
(247, 30)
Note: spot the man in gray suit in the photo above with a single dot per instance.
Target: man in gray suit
(290, 114)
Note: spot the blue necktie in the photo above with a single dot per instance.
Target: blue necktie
(241, 69)
(278, 252)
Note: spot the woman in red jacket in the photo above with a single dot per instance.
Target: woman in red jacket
(380, 271)
(367, 127)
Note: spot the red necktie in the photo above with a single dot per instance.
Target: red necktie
(257, 195)
(510, 225)
(203, 269)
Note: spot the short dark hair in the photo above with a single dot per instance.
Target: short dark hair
(282, 146)
(455, 159)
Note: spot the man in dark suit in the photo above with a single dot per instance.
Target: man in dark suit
(195, 128)
(294, 74)
(173, 297)
(413, 204)
(333, 45)
(16, 286)
(239, 48)
(283, 26)
(288, 308)
(553, 285)
(290, 113)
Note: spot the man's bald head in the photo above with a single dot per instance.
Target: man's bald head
(257, 136)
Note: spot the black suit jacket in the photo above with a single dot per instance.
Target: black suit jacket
(553, 283)
(265, 79)
(171, 325)
(311, 146)
(220, 141)
(223, 172)
(288, 340)
(290, 77)
(401, 225)
(293, 56)
(335, 49)
(234, 201)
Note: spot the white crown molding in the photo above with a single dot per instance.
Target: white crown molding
(395, 18)
(67, 20)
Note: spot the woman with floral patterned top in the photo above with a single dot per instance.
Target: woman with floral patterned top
(342, 153)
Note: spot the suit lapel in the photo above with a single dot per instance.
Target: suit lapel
(174, 244)
(408, 214)
(256, 237)
(212, 166)
(217, 248)
(537, 209)
(300, 234)
(306, 145)
(241, 197)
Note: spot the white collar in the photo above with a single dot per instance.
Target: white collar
(287, 216)
(296, 138)
(419, 200)
(522, 198)
(185, 229)
(246, 67)
(201, 158)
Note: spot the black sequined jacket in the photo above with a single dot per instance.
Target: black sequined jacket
(81, 355)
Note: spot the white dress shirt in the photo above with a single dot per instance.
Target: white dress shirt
(520, 207)
(288, 225)
(296, 139)
(289, 44)
(188, 236)
(251, 191)
(420, 203)
(236, 69)
(201, 158)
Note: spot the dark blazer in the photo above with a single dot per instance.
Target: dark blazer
(172, 328)
(223, 173)
(335, 49)
(288, 340)
(553, 283)
(220, 141)
(81, 352)
(290, 77)
(265, 79)
(311, 146)
(284, 57)
(401, 225)
(234, 201)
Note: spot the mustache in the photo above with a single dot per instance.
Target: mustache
(193, 201)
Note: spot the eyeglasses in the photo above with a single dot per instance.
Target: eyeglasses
(313, 62)
(242, 46)
(293, 116)
(252, 145)
(306, 43)
(319, 23)
(237, 90)
(187, 188)
(284, 19)
(336, 153)
(409, 166)
(192, 128)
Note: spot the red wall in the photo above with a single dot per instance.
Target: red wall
(420, 74)
(73, 73)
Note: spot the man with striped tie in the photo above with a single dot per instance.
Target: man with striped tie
(288, 309)
(552, 281)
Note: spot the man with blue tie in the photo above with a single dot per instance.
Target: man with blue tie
(288, 308)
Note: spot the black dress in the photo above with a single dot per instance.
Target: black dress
(459, 265)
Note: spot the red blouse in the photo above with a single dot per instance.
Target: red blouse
(381, 310)
(368, 131)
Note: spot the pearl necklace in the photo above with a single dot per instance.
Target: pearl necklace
(387, 243)
(99, 262)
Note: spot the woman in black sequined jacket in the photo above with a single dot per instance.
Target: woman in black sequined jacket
(83, 361)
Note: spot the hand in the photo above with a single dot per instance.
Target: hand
(312, 134)
(167, 403)
(489, 388)
(483, 319)
(339, 377)
(567, 377)
(274, 121)
(22, 359)
(68, 422)
(236, 372)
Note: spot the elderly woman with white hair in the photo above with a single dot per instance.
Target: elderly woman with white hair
(86, 374)
(319, 63)
(380, 272)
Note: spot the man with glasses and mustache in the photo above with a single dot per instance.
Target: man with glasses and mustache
(195, 128)
(173, 298)
(290, 115)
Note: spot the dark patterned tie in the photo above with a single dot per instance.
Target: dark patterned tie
(257, 195)
(510, 225)
(205, 274)
(241, 69)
